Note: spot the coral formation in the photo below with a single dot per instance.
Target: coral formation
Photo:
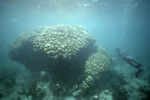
(67, 52)
(105, 95)
(96, 66)
(134, 88)
(51, 43)
(32, 91)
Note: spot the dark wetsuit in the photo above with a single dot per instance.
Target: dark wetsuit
(130, 61)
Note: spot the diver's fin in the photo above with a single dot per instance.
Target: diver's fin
(138, 72)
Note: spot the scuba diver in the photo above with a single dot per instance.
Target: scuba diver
(130, 61)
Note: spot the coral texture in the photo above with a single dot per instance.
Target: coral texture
(97, 65)
(67, 52)
(45, 45)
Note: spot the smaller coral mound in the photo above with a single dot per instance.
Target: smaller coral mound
(96, 66)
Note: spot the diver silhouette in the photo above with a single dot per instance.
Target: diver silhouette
(123, 55)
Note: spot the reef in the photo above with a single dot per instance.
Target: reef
(96, 66)
(67, 52)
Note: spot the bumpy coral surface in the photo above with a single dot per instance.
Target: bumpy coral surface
(62, 41)
(68, 52)
(97, 64)
(53, 43)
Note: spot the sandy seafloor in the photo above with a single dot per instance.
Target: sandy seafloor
(114, 23)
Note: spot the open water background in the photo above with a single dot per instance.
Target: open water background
(114, 23)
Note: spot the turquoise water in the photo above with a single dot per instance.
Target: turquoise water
(113, 23)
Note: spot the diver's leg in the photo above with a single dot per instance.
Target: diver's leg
(131, 63)
(134, 63)
(138, 72)
(137, 64)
